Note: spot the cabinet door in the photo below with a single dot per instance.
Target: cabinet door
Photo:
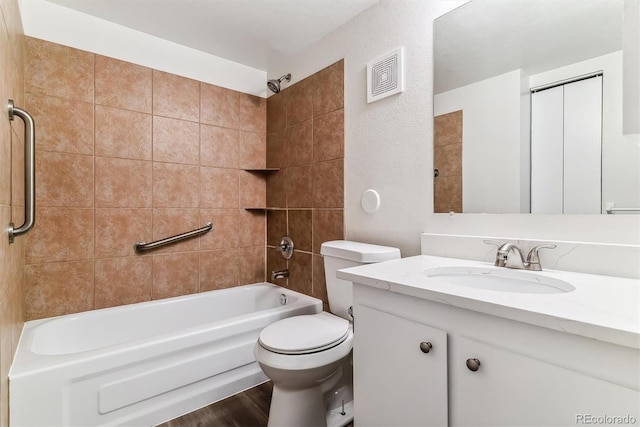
(511, 389)
(395, 382)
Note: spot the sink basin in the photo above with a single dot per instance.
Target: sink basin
(499, 279)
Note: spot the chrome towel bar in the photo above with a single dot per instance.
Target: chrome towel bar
(142, 246)
(611, 210)
(29, 172)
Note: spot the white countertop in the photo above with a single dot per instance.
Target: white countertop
(601, 307)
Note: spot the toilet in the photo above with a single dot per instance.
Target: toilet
(308, 357)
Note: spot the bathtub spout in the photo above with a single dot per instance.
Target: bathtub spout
(281, 274)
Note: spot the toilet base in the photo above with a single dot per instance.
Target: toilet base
(340, 407)
(295, 408)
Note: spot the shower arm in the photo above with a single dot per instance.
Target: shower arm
(29, 172)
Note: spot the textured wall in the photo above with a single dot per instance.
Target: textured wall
(305, 139)
(127, 153)
(11, 193)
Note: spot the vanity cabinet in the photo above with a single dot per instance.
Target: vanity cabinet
(402, 365)
(526, 375)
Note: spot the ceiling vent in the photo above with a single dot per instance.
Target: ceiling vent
(384, 75)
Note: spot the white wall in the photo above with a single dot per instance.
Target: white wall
(48, 21)
(389, 143)
(491, 151)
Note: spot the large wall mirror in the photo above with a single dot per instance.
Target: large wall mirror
(528, 106)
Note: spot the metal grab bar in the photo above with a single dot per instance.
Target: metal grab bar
(29, 172)
(142, 246)
(611, 210)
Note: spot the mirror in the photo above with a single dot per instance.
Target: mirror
(511, 109)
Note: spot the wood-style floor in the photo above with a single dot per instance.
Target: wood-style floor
(247, 409)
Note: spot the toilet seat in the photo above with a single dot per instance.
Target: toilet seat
(304, 334)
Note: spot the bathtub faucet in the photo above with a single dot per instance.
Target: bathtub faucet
(281, 274)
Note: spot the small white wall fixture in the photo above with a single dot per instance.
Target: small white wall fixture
(384, 76)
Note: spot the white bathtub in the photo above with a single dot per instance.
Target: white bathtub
(142, 364)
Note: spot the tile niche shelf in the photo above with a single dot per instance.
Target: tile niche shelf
(258, 170)
(265, 171)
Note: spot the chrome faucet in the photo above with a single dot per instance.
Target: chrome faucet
(280, 274)
(510, 256)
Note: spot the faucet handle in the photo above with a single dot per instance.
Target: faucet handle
(493, 242)
(500, 258)
(533, 259)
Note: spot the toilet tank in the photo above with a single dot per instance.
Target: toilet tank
(338, 254)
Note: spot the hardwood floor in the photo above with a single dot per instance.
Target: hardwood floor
(247, 409)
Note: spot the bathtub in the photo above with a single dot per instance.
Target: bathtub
(143, 364)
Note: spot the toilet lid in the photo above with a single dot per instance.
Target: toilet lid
(304, 334)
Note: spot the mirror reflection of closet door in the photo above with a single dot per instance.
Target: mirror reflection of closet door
(566, 148)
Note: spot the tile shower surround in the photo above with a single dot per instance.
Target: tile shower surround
(305, 139)
(127, 153)
(11, 194)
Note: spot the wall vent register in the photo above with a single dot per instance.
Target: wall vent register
(384, 76)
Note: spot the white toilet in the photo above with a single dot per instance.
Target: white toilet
(308, 357)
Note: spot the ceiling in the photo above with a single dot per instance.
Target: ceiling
(249, 32)
(486, 38)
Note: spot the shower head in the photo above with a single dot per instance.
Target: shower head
(274, 84)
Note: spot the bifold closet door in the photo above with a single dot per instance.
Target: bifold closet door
(547, 134)
(566, 153)
(583, 146)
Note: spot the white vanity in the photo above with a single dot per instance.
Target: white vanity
(445, 341)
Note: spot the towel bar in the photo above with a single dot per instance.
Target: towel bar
(29, 172)
(142, 246)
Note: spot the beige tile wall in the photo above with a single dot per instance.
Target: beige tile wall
(127, 153)
(448, 161)
(305, 139)
(11, 193)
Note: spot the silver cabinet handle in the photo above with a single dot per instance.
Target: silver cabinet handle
(426, 347)
(473, 364)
